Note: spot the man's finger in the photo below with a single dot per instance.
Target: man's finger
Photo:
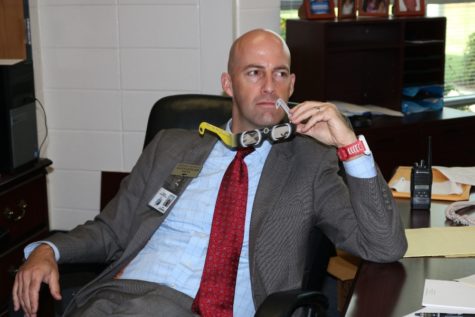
(16, 300)
(54, 287)
(306, 111)
(23, 292)
(33, 295)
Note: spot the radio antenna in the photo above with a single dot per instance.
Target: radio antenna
(429, 152)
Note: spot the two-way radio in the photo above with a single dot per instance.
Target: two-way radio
(421, 182)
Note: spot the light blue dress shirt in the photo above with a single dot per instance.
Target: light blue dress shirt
(176, 253)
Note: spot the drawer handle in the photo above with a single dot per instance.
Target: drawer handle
(11, 215)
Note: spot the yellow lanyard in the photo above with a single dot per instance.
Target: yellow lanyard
(227, 137)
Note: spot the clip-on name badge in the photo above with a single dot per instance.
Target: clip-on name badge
(167, 194)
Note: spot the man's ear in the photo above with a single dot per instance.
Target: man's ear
(226, 84)
(292, 83)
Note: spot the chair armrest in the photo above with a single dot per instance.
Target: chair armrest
(283, 304)
(73, 276)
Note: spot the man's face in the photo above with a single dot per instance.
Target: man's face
(259, 75)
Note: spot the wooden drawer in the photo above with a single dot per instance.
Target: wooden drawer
(359, 34)
(23, 210)
(425, 29)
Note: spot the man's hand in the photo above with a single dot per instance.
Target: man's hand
(323, 122)
(40, 267)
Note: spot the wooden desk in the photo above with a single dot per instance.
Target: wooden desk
(402, 141)
(23, 219)
(395, 289)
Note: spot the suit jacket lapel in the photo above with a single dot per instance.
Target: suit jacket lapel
(271, 185)
(197, 154)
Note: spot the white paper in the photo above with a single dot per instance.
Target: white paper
(462, 175)
(440, 310)
(469, 280)
(448, 294)
(349, 109)
(381, 110)
(403, 185)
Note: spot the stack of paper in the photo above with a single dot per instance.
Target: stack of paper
(448, 297)
(449, 294)
(449, 183)
(350, 109)
(461, 175)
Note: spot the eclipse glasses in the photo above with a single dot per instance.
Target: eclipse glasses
(254, 137)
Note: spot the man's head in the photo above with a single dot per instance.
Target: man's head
(258, 74)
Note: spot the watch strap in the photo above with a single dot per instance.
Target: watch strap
(354, 149)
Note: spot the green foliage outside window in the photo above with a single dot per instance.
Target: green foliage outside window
(469, 56)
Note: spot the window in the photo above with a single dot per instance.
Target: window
(459, 50)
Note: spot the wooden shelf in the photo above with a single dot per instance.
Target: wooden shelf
(365, 61)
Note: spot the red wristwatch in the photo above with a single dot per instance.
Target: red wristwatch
(354, 149)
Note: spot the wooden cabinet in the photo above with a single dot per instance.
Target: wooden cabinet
(366, 60)
(370, 61)
(23, 219)
(13, 30)
(424, 51)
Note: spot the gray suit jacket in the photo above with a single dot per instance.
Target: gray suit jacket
(299, 188)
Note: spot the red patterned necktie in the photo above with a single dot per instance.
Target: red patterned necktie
(215, 296)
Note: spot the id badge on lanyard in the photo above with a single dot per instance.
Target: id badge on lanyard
(166, 195)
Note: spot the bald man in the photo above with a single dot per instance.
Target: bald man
(158, 257)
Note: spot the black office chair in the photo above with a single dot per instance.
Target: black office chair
(188, 111)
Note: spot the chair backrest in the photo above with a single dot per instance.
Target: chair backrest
(187, 111)
(184, 111)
